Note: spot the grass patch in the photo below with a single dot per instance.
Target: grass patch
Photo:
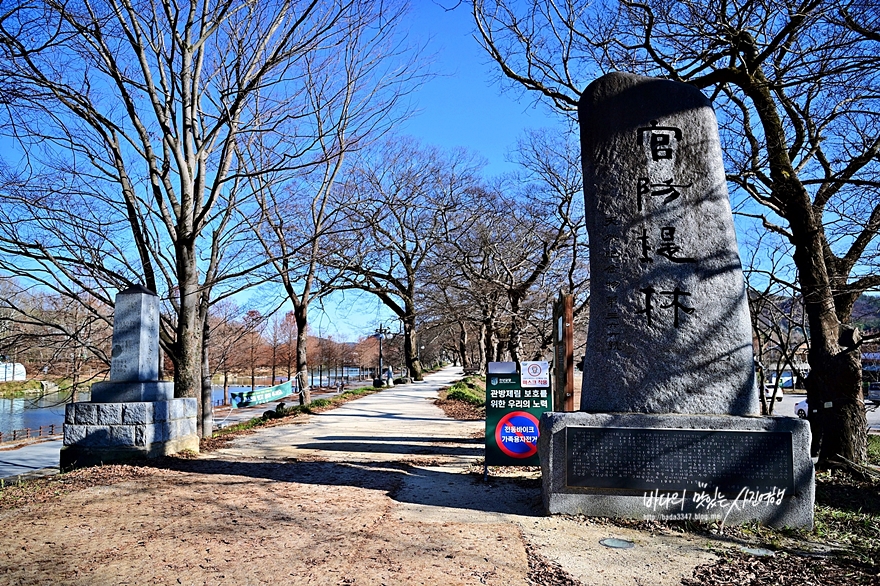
(874, 449)
(17, 388)
(468, 390)
(847, 512)
(465, 400)
(858, 532)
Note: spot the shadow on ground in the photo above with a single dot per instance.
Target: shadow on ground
(396, 445)
(401, 481)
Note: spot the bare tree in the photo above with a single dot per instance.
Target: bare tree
(228, 332)
(398, 204)
(779, 328)
(56, 335)
(288, 332)
(130, 117)
(795, 85)
(254, 326)
(518, 249)
(355, 90)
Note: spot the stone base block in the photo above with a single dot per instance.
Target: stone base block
(133, 391)
(678, 467)
(80, 457)
(110, 432)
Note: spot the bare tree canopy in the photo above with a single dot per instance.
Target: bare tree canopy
(795, 87)
(132, 121)
(399, 202)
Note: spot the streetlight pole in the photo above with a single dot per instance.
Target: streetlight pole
(381, 331)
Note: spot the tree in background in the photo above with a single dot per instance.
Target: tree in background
(516, 250)
(398, 204)
(794, 84)
(355, 88)
(55, 336)
(253, 356)
(128, 126)
(228, 332)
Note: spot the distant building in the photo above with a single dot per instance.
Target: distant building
(10, 371)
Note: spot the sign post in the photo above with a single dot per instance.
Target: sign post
(514, 404)
(563, 352)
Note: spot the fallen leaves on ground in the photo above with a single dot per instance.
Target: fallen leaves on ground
(544, 572)
(44, 489)
(460, 410)
(782, 569)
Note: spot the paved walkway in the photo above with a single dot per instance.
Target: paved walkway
(32, 459)
(395, 424)
(400, 431)
(29, 459)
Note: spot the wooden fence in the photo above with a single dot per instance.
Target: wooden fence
(28, 433)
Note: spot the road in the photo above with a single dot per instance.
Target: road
(786, 408)
(41, 456)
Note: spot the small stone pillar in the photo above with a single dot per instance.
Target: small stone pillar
(133, 414)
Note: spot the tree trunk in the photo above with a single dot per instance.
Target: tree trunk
(253, 367)
(462, 344)
(834, 391)
(490, 340)
(188, 366)
(514, 341)
(206, 421)
(837, 416)
(409, 348)
(302, 362)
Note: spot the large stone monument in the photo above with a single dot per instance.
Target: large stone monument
(669, 424)
(133, 414)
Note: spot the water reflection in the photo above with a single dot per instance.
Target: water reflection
(32, 411)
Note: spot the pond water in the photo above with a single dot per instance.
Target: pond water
(35, 410)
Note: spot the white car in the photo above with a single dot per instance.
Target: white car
(873, 393)
(768, 393)
(801, 409)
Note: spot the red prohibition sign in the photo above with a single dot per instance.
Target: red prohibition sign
(517, 434)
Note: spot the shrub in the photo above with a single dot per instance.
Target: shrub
(463, 392)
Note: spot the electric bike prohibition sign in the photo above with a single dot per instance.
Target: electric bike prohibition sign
(517, 434)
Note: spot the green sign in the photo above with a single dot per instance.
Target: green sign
(512, 416)
(257, 396)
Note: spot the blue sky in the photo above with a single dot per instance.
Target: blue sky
(463, 106)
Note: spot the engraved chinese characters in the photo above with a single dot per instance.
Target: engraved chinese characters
(669, 327)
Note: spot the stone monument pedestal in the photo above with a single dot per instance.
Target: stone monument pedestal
(678, 467)
(133, 415)
(102, 433)
(668, 428)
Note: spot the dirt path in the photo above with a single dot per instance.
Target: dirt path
(378, 491)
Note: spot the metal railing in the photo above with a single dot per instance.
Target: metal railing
(28, 433)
